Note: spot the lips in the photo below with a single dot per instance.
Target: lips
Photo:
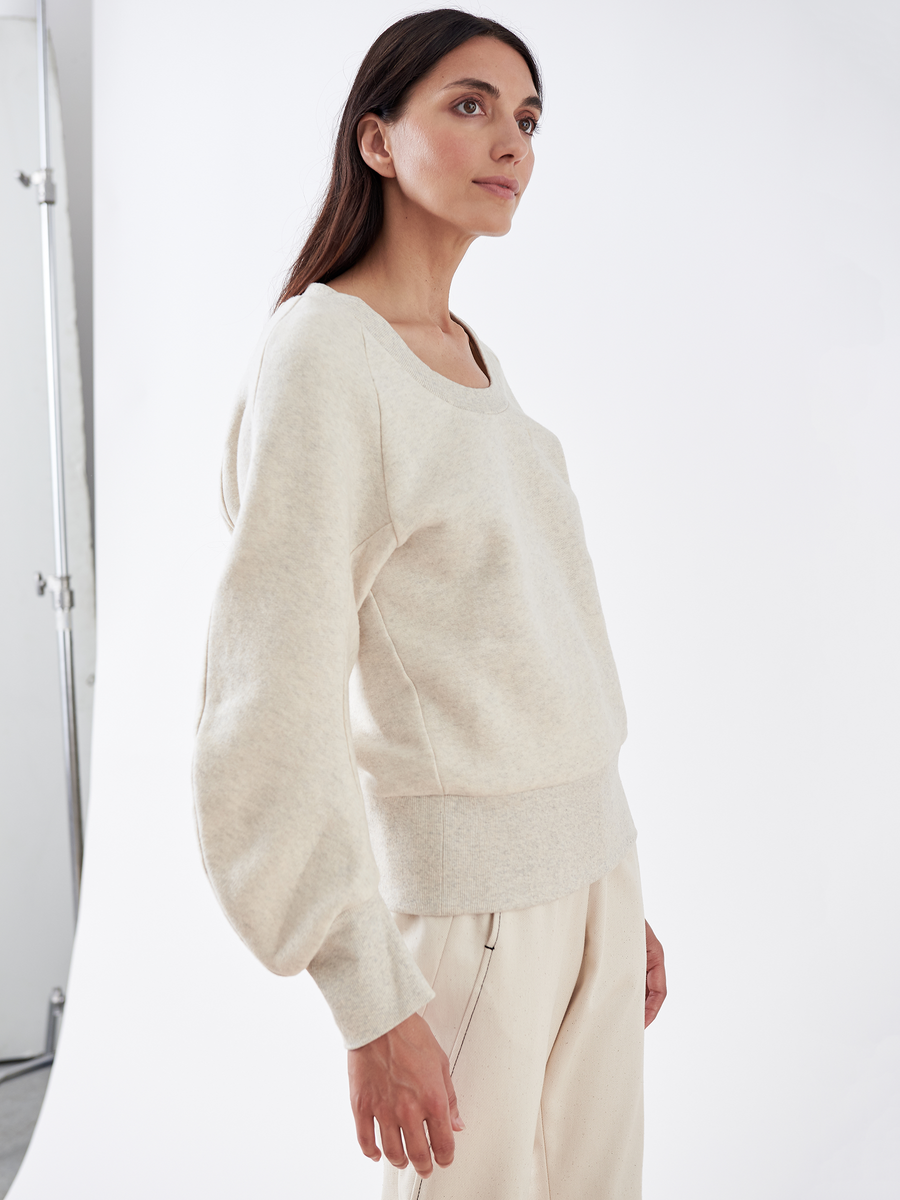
(500, 185)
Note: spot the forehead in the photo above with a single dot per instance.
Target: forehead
(481, 58)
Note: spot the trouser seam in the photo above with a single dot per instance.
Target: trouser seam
(478, 997)
(489, 946)
(544, 1146)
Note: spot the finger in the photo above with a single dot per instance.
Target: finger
(417, 1148)
(652, 1006)
(437, 1115)
(392, 1145)
(443, 1144)
(655, 993)
(655, 953)
(656, 979)
(456, 1120)
(365, 1135)
(443, 1116)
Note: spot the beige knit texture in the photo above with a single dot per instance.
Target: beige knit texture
(410, 701)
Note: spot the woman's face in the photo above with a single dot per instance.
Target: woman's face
(462, 151)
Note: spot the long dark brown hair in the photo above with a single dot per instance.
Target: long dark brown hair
(351, 213)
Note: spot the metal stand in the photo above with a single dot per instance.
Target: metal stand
(54, 1017)
(59, 584)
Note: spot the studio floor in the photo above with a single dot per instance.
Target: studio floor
(20, 1103)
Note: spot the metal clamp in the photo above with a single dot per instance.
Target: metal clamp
(54, 1018)
(63, 596)
(42, 181)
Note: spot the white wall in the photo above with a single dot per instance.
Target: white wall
(702, 298)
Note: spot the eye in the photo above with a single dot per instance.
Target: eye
(531, 123)
(469, 105)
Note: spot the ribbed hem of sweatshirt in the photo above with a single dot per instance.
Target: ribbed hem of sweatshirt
(367, 974)
(442, 855)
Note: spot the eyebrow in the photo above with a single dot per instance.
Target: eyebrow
(492, 90)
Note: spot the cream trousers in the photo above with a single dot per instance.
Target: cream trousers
(541, 1012)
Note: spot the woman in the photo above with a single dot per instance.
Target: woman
(405, 770)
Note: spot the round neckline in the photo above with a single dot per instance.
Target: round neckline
(484, 399)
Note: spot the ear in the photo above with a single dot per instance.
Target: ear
(371, 137)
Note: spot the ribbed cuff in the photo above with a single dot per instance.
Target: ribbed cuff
(367, 974)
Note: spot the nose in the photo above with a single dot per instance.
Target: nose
(511, 142)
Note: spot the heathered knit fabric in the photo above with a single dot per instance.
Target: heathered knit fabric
(410, 702)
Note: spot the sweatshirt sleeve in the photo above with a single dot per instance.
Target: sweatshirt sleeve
(280, 814)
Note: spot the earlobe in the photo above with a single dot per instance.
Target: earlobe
(370, 137)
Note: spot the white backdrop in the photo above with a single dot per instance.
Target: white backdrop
(707, 267)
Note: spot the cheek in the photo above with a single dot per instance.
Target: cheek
(525, 168)
(459, 156)
(435, 165)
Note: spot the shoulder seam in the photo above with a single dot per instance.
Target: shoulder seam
(387, 499)
(276, 320)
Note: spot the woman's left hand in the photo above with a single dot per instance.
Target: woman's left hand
(656, 977)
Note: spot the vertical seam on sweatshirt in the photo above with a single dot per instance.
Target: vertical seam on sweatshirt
(416, 690)
(387, 499)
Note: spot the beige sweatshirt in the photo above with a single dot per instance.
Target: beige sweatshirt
(410, 702)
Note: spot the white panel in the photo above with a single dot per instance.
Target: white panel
(35, 872)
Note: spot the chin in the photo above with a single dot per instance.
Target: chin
(499, 228)
(496, 225)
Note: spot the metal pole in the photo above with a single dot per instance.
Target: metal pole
(63, 598)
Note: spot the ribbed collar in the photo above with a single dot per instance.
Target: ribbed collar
(491, 399)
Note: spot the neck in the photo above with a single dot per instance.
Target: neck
(406, 275)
